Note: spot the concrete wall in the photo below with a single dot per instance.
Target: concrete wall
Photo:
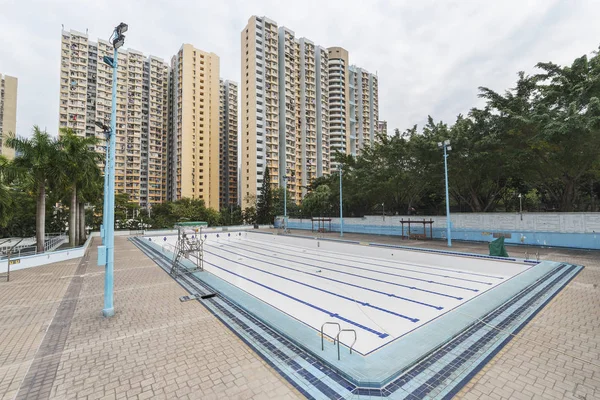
(577, 230)
(45, 258)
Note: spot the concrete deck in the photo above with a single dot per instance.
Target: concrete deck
(54, 342)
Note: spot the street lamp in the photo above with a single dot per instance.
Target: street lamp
(521, 206)
(106, 131)
(106, 253)
(446, 146)
(341, 209)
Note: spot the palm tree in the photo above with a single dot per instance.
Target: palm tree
(79, 164)
(6, 200)
(39, 158)
(90, 190)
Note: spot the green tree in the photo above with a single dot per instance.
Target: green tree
(231, 215)
(318, 202)
(264, 205)
(38, 158)
(6, 197)
(79, 162)
(556, 116)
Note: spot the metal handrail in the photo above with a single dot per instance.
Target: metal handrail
(323, 335)
(338, 340)
(8, 261)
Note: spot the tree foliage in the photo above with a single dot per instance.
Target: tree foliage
(540, 139)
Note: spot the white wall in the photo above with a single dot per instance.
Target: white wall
(45, 258)
(532, 222)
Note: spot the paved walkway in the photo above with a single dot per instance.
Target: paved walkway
(154, 347)
(54, 343)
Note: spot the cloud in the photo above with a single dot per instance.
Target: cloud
(430, 56)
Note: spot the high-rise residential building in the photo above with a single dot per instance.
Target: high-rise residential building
(382, 128)
(194, 126)
(339, 106)
(8, 112)
(285, 109)
(364, 109)
(353, 105)
(228, 143)
(141, 128)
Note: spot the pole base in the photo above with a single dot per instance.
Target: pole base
(108, 312)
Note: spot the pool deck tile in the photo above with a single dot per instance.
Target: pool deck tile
(157, 347)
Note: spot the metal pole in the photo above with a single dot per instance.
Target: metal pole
(109, 310)
(341, 209)
(448, 233)
(383, 211)
(105, 202)
(284, 203)
(521, 206)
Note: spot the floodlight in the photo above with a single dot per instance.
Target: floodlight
(448, 148)
(119, 41)
(101, 125)
(122, 28)
(440, 145)
(447, 142)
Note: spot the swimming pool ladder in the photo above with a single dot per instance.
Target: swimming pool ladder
(338, 340)
(323, 335)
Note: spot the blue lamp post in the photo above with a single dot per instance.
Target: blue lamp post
(106, 253)
(106, 131)
(341, 209)
(446, 146)
(285, 179)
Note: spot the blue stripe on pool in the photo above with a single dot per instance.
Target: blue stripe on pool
(405, 263)
(362, 303)
(380, 272)
(306, 303)
(337, 280)
(360, 276)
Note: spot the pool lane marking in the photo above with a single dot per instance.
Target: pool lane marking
(362, 303)
(380, 265)
(384, 266)
(362, 276)
(336, 280)
(364, 269)
(306, 303)
(330, 313)
(286, 246)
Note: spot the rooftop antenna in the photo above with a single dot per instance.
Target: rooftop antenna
(63, 26)
(86, 31)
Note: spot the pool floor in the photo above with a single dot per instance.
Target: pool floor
(423, 321)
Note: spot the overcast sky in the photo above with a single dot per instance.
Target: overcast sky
(430, 55)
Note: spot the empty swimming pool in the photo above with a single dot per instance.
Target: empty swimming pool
(432, 310)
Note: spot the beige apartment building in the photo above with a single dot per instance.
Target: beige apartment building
(339, 106)
(285, 110)
(228, 143)
(141, 126)
(354, 106)
(364, 109)
(382, 128)
(194, 126)
(8, 112)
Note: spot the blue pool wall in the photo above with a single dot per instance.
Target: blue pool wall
(573, 230)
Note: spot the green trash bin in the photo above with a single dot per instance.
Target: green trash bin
(497, 248)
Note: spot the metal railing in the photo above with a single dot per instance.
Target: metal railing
(30, 248)
(323, 335)
(338, 340)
